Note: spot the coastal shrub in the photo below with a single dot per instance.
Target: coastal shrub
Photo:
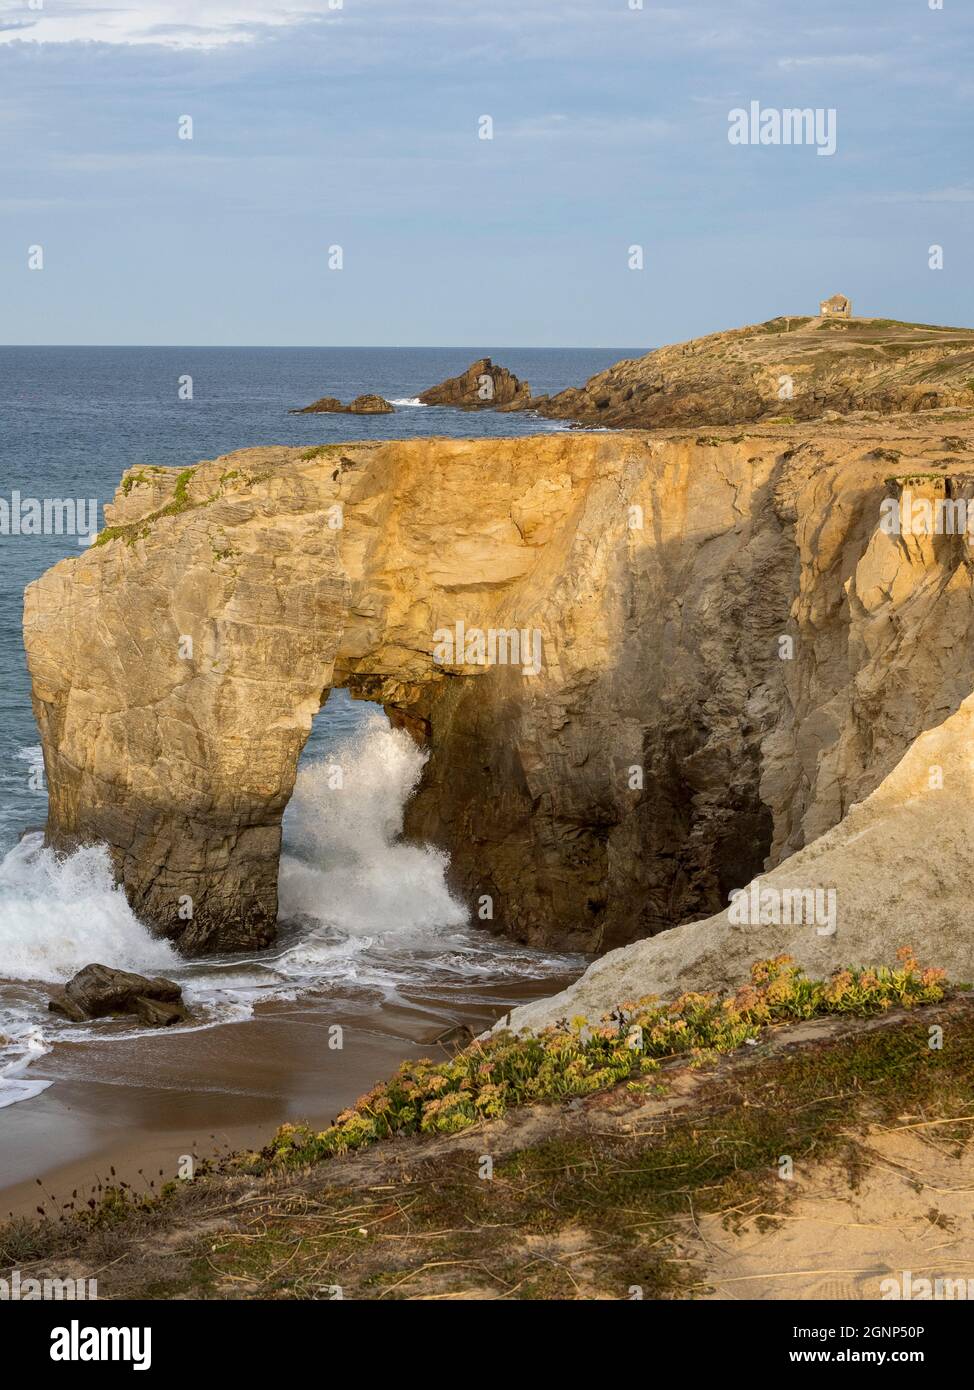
(575, 1058)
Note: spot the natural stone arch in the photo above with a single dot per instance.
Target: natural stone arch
(660, 652)
(177, 666)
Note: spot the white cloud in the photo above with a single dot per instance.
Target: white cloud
(958, 193)
(198, 24)
(863, 62)
(603, 128)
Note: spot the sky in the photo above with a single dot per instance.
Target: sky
(358, 124)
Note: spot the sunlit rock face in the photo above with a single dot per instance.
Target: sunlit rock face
(644, 666)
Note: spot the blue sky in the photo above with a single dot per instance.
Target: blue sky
(358, 126)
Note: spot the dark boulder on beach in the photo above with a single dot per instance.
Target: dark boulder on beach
(481, 387)
(97, 991)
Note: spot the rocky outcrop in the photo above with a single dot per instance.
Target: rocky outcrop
(362, 405)
(97, 991)
(481, 387)
(646, 668)
(799, 368)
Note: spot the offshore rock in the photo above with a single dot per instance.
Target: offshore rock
(362, 405)
(481, 387)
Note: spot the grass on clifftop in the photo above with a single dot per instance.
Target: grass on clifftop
(576, 1058)
(133, 530)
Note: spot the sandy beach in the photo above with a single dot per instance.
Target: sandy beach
(145, 1102)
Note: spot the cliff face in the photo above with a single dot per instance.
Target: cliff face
(793, 367)
(652, 745)
(897, 866)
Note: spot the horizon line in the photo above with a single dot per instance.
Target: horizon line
(331, 347)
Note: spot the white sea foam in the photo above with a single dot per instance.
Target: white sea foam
(57, 914)
(345, 864)
(360, 909)
(408, 400)
(32, 754)
(60, 912)
(19, 1046)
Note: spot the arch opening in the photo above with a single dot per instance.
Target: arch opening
(346, 871)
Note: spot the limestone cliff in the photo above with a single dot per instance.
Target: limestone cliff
(664, 748)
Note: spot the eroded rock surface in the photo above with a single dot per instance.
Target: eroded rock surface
(731, 651)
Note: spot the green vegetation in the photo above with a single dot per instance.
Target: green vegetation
(784, 324)
(859, 325)
(583, 1201)
(902, 350)
(594, 1211)
(139, 479)
(490, 1077)
(322, 451)
(137, 530)
(129, 534)
(901, 323)
(180, 497)
(115, 533)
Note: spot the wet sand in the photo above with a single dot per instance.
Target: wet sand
(145, 1102)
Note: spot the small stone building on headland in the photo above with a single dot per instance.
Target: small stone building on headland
(838, 307)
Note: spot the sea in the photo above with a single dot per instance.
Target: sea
(367, 916)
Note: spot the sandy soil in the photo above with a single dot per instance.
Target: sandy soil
(911, 1212)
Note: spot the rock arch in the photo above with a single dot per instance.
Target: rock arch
(177, 664)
